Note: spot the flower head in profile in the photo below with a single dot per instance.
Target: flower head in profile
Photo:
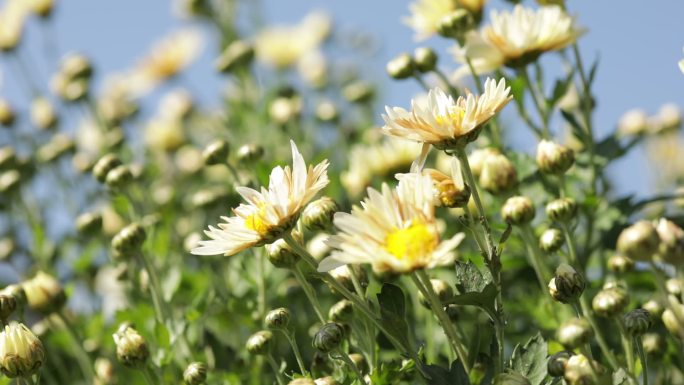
(394, 230)
(268, 213)
(444, 122)
(21, 352)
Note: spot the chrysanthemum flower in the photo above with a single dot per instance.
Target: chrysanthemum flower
(393, 230)
(270, 213)
(443, 122)
(21, 352)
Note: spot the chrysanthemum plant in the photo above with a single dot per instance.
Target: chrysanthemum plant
(417, 252)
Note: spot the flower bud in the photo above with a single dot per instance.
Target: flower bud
(342, 311)
(104, 165)
(456, 24)
(672, 319)
(284, 110)
(44, 294)
(119, 177)
(401, 67)
(358, 92)
(259, 343)
(7, 305)
(215, 153)
(654, 344)
(557, 363)
(553, 158)
(425, 59)
(637, 322)
(75, 65)
(249, 153)
(8, 158)
(326, 111)
(104, 371)
(238, 54)
(9, 181)
(342, 275)
(639, 241)
(281, 255)
(551, 240)
(326, 381)
(610, 302)
(88, 223)
(195, 373)
(633, 123)
(567, 285)
(359, 361)
(131, 347)
(477, 159)
(671, 248)
(444, 292)
(7, 115)
(43, 114)
(318, 215)
(302, 381)
(574, 333)
(128, 240)
(17, 292)
(21, 352)
(580, 371)
(42, 8)
(561, 210)
(328, 337)
(498, 174)
(620, 264)
(277, 318)
(453, 312)
(654, 308)
(674, 287)
(669, 118)
(518, 210)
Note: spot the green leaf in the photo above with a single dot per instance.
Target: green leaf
(577, 129)
(529, 360)
(560, 88)
(393, 312)
(161, 334)
(439, 375)
(475, 288)
(510, 378)
(592, 72)
(517, 90)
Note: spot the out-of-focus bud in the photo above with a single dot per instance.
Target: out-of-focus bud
(453, 312)
(58, 145)
(302, 381)
(21, 352)
(574, 333)
(342, 311)
(637, 322)
(671, 248)
(669, 117)
(654, 308)
(498, 174)
(326, 381)
(518, 210)
(359, 361)
(633, 123)
(238, 54)
(43, 114)
(7, 246)
(620, 264)
(42, 8)
(131, 347)
(283, 110)
(551, 240)
(456, 24)
(195, 373)
(104, 371)
(88, 223)
(259, 343)
(561, 210)
(216, 152)
(674, 287)
(673, 318)
(444, 292)
(343, 274)
(557, 363)
(639, 241)
(477, 159)
(76, 65)
(250, 153)
(7, 115)
(611, 301)
(425, 59)
(654, 344)
(358, 92)
(9, 181)
(554, 158)
(326, 111)
(119, 177)
(8, 304)
(318, 215)
(8, 158)
(17, 292)
(328, 337)
(128, 240)
(401, 67)
(280, 254)
(567, 285)
(511, 378)
(104, 165)
(44, 294)
(278, 318)
(580, 371)
(69, 90)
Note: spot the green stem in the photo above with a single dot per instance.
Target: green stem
(603, 345)
(149, 376)
(82, 357)
(570, 241)
(309, 292)
(421, 82)
(155, 287)
(276, 369)
(638, 342)
(537, 100)
(345, 358)
(290, 336)
(626, 346)
(535, 256)
(261, 283)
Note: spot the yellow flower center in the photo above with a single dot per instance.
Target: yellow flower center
(411, 243)
(455, 114)
(257, 223)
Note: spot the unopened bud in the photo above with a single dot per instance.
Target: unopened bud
(401, 67)
(359, 361)
(318, 215)
(669, 117)
(195, 373)
(259, 343)
(250, 153)
(561, 210)
(75, 65)
(557, 363)
(453, 312)
(654, 344)
(342, 311)
(610, 302)
(620, 264)
(498, 174)
(580, 371)
(128, 240)
(119, 176)
(8, 158)
(283, 110)
(654, 308)
(131, 347)
(633, 123)
(456, 24)
(88, 223)
(574, 333)
(7, 115)
(238, 54)
(44, 294)
(17, 292)
(8, 304)
(551, 240)
(278, 318)
(444, 292)
(42, 8)
(104, 165)
(215, 153)
(9, 180)
(511, 378)
(637, 322)
(358, 92)
(639, 241)
(326, 111)
(567, 285)
(43, 114)
(671, 248)
(326, 381)
(343, 275)
(554, 158)
(518, 210)
(280, 254)
(21, 352)
(328, 337)
(425, 59)
(673, 286)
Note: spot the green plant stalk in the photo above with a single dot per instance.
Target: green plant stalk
(626, 346)
(537, 99)
(261, 283)
(638, 342)
(309, 292)
(276, 369)
(603, 345)
(82, 358)
(149, 375)
(367, 329)
(290, 336)
(543, 273)
(586, 350)
(342, 356)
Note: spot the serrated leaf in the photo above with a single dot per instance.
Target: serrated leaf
(475, 287)
(529, 360)
(439, 375)
(393, 312)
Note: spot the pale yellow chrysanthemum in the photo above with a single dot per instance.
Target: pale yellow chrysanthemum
(21, 352)
(283, 46)
(12, 18)
(443, 122)
(394, 230)
(270, 213)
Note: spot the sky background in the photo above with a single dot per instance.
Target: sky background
(639, 44)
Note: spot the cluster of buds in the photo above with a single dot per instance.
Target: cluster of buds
(72, 81)
(131, 347)
(567, 285)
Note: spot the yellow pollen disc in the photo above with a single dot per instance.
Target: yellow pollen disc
(454, 115)
(256, 221)
(411, 243)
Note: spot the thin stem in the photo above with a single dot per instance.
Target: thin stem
(537, 100)
(82, 357)
(149, 376)
(422, 83)
(476, 77)
(535, 256)
(155, 288)
(570, 241)
(261, 283)
(309, 292)
(586, 312)
(626, 346)
(276, 369)
(345, 358)
(290, 336)
(638, 342)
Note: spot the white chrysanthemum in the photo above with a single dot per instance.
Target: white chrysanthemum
(393, 230)
(443, 122)
(269, 213)
(21, 352)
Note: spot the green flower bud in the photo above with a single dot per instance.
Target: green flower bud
(9, 181)
(128, 240)
(208, 197)
(518, 210)
(498, 174)
(284, 110)
(401, 67)
(672, 323)
(17, 292)
(259, 343)
(671, 248)
(249, 153)
(425, 59)
(119, 177)
(342, 311)
(131, 347)
(7, 305)
(326, 381)
(574, 332)
(654, 344)
(195, 374)
(328, 337)
(342, 275)
(456, 24)
(610, 302)
(637, 322)
(104, 165)
(358, 92)
(318, 215)
(567, 285)
(453, 312)
(44, 294)
(43, 114)
(359, 361)
(553, 158)
(88, 223)
(21, 352)
(444, 292)
(639, 241)
(238, 54)
(104, 371)
(215, 153)
(75, 65)
(278, 318)
(7, 115)
(59, 145)
(654, 308)
(620, 264)
(561, 210)
(580, 371)
(551, 240)
(557, 363)
(281, 255)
